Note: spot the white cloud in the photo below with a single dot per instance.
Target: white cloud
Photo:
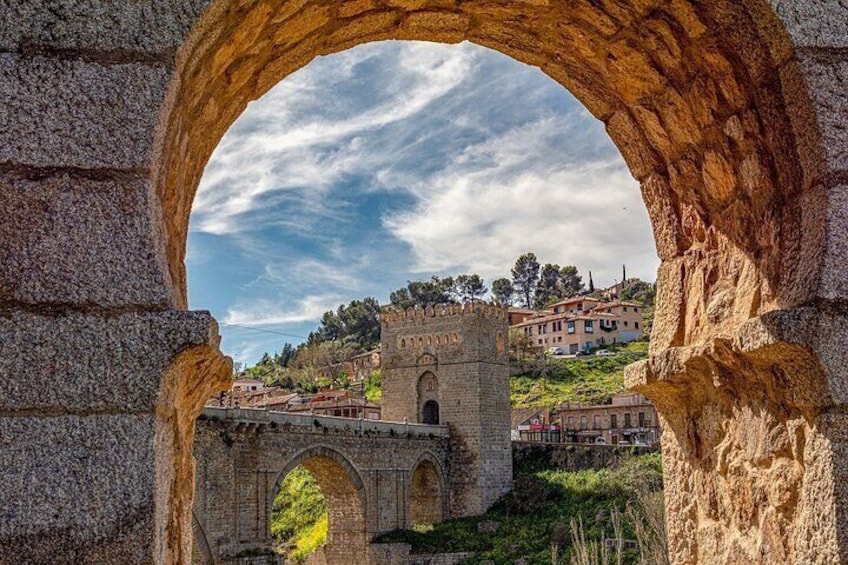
(513, 194)
(264, 312)
(310, 272)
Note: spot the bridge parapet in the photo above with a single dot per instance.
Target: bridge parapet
(310, 423)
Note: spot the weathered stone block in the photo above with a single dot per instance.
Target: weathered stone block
(826, 78)
(153, 26)
(77, 240)
(74, 113)
(834, 277)
(814, 24)
(77, 489)
(80, 362)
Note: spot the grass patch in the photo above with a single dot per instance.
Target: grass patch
(584, 380)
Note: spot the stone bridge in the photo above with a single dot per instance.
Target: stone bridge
(376, 476)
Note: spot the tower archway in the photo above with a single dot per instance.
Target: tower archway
(428, 398)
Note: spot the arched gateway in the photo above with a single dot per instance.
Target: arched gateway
(731, 113)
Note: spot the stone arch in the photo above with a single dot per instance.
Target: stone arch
(427, 491)
(346, 497)
(428, 396)
(729, 112)
(202, 553)
(702, 99)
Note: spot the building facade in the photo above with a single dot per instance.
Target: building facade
(582, 323)
(630, 419)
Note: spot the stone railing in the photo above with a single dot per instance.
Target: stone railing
(310, 423)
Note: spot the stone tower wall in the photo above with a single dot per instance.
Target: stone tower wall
(465, 348)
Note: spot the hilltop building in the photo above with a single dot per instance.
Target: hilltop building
(582, 323)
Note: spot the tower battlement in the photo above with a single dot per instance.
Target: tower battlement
(393, 316)
(448, 334)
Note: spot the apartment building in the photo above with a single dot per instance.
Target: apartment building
(583, 323)
(630, 419)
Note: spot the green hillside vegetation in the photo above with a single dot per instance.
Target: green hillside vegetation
(585, 380)
(373, 386)
(299, 515)
(540, 510)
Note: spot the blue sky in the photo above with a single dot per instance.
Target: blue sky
(395, 161)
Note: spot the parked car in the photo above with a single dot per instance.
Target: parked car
(581, 354)
(600, 440)
(556, 351)
(603, 353)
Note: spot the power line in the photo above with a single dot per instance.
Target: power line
(264, 331)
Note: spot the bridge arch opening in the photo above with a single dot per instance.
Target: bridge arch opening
(344, 492)
(705, 103)
(426, 494)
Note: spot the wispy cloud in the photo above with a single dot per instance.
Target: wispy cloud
(299, 142)
(263, 312)
(515, 193)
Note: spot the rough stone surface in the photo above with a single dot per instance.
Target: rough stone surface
(814, 24)
(746, 409)
(100, 228)
(152, 27)
(75, 113)
(826, 77)
(834, 284)
(82, 362)
(96, 411)
(68, 475)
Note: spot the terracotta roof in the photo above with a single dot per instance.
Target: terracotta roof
(521, 415)
(621, 303)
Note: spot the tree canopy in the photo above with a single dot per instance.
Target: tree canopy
(503, 292)
(525, 276)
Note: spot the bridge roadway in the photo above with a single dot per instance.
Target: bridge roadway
(377, 476)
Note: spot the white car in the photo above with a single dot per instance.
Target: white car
(556, 351)
(600, 441)
(603, 353)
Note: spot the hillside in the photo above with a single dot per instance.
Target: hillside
(539, 513)
(585, 380)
